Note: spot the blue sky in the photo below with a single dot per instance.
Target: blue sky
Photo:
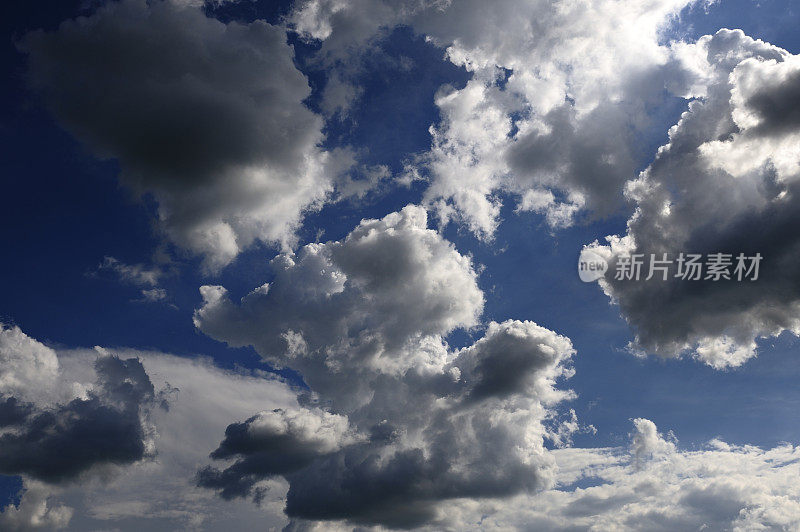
(64, 210)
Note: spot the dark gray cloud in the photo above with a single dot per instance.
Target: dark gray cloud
(268, 444)
(14, 412)
(778, 106)
(728, 182)
(105, 427)
(108, 406)
(503, 364)
(206, 116)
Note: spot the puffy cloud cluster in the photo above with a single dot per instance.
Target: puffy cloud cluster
(272, 443)
(160, 493)
(106, 426)
(394, 473)
(398, 429)
(103, 440)
(556, 108)
(104, 423)
(726, 182)
(401, 420)
(26, 366)
(207, 117)
(716, 487)
(56, 431)
(364, 304)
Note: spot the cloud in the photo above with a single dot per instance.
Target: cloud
(105, 424)
(405, 421)
(123, 451)
(207, 117)
(151, 295)
(557, 107)
(34, 511)
(272, 443)
(135, 274)
(649, 485)
(362, 303)
(647, 442)
(504, 363)
(26, 366)
(716, 487)
(160, 493)
(54, 430)
(145, 278)
(726, 182)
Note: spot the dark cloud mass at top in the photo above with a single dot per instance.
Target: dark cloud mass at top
(206, 116)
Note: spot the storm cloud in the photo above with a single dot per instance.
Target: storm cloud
(727, 182)
(207, 117)
(106, 424)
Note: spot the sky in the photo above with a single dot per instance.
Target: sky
(313, 265)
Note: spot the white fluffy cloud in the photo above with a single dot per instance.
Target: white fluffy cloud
(716, 487)
(556, 107)
(207, 117)
(364, 303)
(363, 321)
(26, 366)
(726, 182)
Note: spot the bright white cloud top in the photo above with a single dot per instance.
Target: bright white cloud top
(726, 182)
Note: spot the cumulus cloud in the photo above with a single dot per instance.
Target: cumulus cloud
(363, 303)
(556, 108)
(105, 423)
(651, 484)
(716, 487)
(647, 442)
(160, 493)
(270, 444)
(105, 427)
(207, 117)
(26, 366)
(726, 182)
(35, 512)
(502, 363)
(408, 422)
(55, 430)
(94, 451)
